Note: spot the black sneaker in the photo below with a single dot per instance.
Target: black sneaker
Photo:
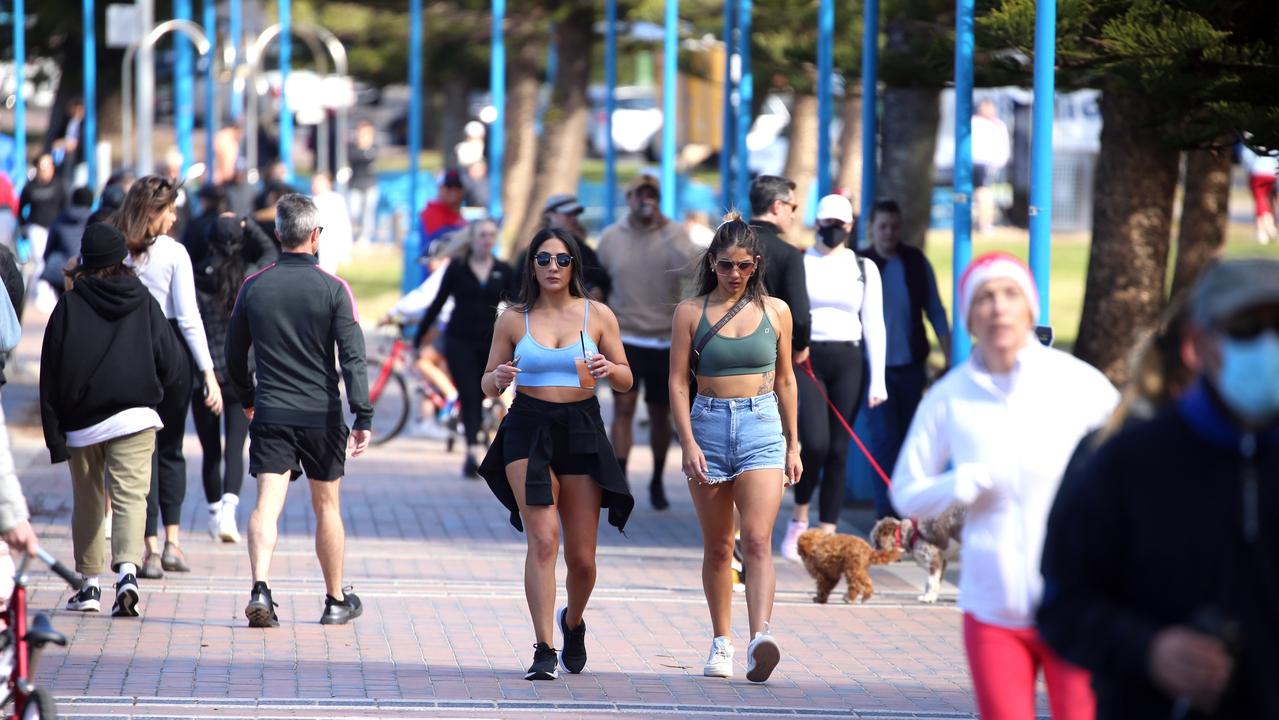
(126, 597)
(657, 495)
(89, 599)
(573, 656)
(341, 612)
(470, 468)
(261, 608)
(544, 665)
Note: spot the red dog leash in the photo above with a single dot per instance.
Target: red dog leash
(808, 370)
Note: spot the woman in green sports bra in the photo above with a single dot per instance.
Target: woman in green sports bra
(739, 433)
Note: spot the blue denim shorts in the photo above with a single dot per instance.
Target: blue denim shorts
(738, 434)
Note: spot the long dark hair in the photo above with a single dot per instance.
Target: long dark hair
(117, 270)
(146, 198)
(531, 290)
(225, 267)
(734, 232)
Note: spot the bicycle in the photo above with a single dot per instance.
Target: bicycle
(21, 644)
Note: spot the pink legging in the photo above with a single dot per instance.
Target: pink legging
(1004, 663)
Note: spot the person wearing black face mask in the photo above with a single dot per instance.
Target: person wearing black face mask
(846, 305)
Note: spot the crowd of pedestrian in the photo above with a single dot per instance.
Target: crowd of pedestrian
(754, 355)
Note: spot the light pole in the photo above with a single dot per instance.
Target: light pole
(825, 69)
(497, 129)
(89, 129)
(20, 101)
(1041, 152)
(870, 114)
(413, 270)
(183, 87)
(962, 173)
(286, 59)
(745, 91)
(670, 91)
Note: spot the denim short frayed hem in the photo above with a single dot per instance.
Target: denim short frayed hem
(743, 471)
(738, 435)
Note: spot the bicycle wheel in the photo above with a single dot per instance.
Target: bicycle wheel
(40, 706)
(390, 398)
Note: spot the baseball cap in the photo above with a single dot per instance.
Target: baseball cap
(452, 178)
(1233, 286)
(644, 180)
(563, 203)
(835, 207)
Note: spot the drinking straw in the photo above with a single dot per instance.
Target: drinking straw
(582, 335)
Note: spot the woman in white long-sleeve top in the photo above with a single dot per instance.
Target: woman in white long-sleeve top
(848, 340)
(164, 267)
(995, 435)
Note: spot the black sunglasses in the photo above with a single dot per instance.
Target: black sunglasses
(724, 267)
(562, 259)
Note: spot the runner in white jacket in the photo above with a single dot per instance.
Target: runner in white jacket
(995, 435)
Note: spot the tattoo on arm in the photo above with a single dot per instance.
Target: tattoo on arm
(766, 382)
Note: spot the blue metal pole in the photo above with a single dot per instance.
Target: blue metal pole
(235, 27)
(745, 91)
(89, 128)
(497, 130)
(670, 92)
(870, 113)
(610, 105)
(413, 270)
(184, 87)
(1041, 151)
(825, 69)
(963, 170)
(19, 164)
(727, 135)
(210, 91)
(286, 116)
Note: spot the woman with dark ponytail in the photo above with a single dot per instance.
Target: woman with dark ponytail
(237, 248)
(739, 436)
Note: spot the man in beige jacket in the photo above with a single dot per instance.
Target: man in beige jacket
(649, 258)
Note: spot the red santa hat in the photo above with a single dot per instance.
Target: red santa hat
(996, 265)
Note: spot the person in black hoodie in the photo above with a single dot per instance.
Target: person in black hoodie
(1161, 563)
(108, 356)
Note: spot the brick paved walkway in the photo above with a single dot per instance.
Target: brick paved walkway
(445, 630)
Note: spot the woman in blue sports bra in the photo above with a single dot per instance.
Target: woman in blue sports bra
(739, 434)
(551, 463)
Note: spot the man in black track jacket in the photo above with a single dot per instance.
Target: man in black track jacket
(292, 314)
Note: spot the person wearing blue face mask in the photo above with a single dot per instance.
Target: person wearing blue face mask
(1169, 595)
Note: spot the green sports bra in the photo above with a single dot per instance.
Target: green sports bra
(750, 355)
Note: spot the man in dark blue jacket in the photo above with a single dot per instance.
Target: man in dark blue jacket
(1161, 566)
(292, 314)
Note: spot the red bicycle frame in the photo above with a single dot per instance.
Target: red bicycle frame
(398, 348)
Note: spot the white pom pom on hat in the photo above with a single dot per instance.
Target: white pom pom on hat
(996, 265)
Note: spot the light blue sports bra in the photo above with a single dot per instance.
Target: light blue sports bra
(541, 366)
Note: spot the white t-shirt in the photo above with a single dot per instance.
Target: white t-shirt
(845, 307)
(125, 422)
(165, 268)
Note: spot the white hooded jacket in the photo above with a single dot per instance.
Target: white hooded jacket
(999, 444)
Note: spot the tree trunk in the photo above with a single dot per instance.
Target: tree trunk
(524, 77)
(564, 126)
(850, 147)
(908, 133)
(1132, 220)
(1202, 233)
(801, 157)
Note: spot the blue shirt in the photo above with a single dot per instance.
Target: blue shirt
(897, 319)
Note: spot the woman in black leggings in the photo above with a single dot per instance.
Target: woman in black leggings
(848, 327)
(476, 282)
(237, 248)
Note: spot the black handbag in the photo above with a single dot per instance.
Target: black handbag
(695, 356)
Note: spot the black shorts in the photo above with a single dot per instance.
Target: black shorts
(652, 369)
(517, 443)
(321, 452)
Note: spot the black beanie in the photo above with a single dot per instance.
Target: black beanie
(102, 246)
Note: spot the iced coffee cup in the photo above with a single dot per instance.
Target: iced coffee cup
(584, 377)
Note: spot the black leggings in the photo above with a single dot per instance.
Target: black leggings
(466, 359)
(209, 428)
(823, 440)
(168, 467)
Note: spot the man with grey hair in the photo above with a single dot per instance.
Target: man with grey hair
(292, 315)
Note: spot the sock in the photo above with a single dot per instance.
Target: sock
(230, 499)
(127, 569)
(90, 581)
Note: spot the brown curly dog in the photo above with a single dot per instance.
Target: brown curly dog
(828, 557)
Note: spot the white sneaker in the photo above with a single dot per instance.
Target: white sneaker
(720, 662)
(790, 543)
(215, 521)
(429, 429)
(227, 530)
(762, 655)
